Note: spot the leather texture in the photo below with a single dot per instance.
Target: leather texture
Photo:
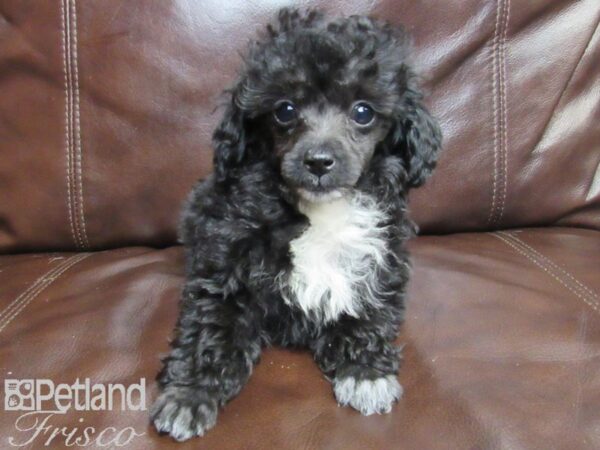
(501, 347)
(106, 111)
(109, 107)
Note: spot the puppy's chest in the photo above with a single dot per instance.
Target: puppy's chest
(336, 260)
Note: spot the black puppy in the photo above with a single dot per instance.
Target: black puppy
(297, 238)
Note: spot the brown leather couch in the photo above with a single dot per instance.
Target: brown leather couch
(106, 111)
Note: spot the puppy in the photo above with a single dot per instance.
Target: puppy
(297, 239)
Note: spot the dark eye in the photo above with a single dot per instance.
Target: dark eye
(362, 113)
(285, 112)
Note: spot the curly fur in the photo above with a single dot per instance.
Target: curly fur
(277, 256)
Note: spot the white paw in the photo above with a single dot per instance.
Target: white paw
(368, 396)
(183, 413)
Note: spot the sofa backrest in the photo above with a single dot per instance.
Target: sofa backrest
(107, 107)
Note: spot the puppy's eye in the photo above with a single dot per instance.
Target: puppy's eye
(285, 112)
(362, 113)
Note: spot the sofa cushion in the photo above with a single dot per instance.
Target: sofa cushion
(107, 109)
(502, 337)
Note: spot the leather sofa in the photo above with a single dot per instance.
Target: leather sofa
(106, 111)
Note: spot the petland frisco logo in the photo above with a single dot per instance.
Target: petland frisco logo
(42, 399)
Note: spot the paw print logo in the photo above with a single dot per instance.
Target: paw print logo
(18, 395)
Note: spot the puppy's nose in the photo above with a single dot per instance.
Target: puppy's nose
(319, 162)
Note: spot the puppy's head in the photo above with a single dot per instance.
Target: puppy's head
(321, 100)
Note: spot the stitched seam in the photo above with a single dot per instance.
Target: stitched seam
(32, 290)
(70, 128)
(500, 115)
(77, 131)
(46, 281)
(17, 300)
(556, 270)
(72, 174)
(495, 110)
(592, 305)
(582, 286)
(67, 89)
(504, 112)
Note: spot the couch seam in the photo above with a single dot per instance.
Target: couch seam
(37, 287)
(504, 112)
(12, 304)
(495, 111)
(75, 198)
(77, 130)
(583, 287)
(66, 32)
(511, 244)
(499, 114)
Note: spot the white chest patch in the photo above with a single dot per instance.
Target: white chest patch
(336, 260)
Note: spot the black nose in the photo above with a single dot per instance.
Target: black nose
(319, 162)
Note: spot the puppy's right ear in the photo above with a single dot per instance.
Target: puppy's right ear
(229, 141)
(416, 137)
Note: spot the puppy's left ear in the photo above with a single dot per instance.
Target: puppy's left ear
(229, 141)
(417, 137)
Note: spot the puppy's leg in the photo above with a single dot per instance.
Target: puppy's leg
(216, 346)
(363, 364)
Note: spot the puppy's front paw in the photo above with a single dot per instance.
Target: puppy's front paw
(183, 412)
(368, 396)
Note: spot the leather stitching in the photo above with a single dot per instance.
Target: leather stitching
(500, 113)
(504, 112)
(21, 302)
(65, 31)
(495, 109)
(75, 200)
(77, 131)
(586, 289)
(514, 246)
(26, 293)
(12, 304)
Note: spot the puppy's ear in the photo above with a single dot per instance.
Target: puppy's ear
(229, 141)
(416, 137)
